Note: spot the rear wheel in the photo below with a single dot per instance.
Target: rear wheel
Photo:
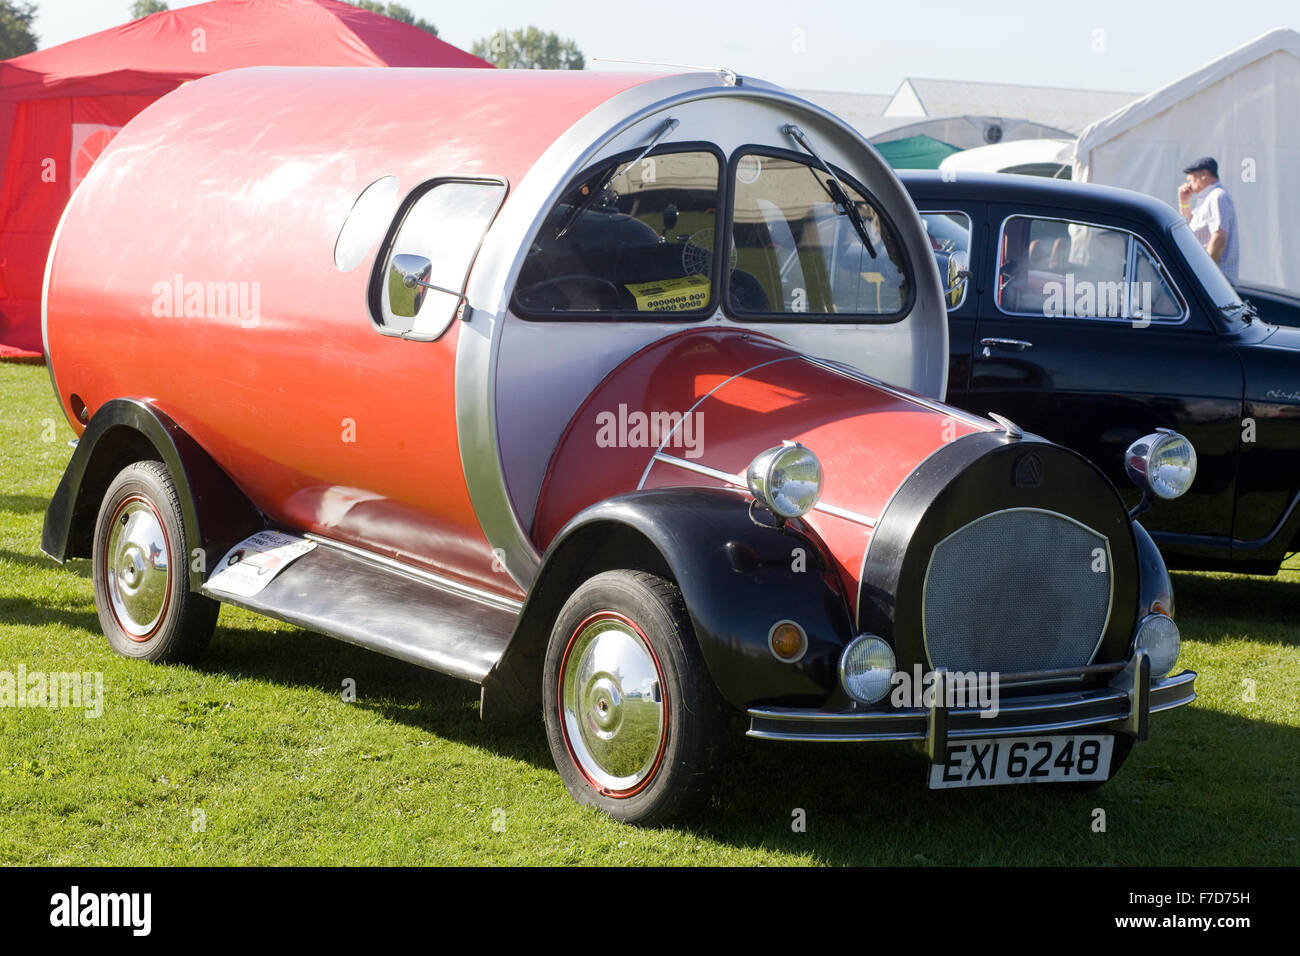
(632, 717)
(141, 557)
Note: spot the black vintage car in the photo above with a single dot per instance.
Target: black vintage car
(1092, 316)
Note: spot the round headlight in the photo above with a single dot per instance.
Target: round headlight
(788, 479)
(1163, 463)
(866, 666)
(1158, 636)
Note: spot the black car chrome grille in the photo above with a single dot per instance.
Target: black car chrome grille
(1017, 590)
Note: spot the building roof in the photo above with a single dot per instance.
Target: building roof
(1066, 109)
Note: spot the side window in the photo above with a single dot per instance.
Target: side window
(797, 252)
(1156, 293)
(435, 245)
(949, 235)
(1075, 270)
(629, 236)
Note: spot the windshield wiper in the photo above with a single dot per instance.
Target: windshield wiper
(583, 204)
(834, 188)
(1244, 308)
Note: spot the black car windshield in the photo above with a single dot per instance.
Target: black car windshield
(1207, 271)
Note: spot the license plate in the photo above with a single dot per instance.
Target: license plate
(1003, 760)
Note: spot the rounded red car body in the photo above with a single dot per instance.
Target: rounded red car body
(447, 361)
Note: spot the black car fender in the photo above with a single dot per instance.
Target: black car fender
(740, 574)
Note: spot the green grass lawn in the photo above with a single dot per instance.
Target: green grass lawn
(255, 757)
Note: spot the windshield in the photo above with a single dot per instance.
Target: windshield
(1215, 283)
(798, 252)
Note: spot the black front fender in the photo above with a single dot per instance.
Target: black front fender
(738, 573)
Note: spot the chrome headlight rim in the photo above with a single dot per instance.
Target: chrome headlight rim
(891, 670)
(1158, 656)
(1145, 453)
(764, 479)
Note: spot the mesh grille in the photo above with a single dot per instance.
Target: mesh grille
(1016, 591)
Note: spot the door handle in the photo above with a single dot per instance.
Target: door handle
(1018, 344)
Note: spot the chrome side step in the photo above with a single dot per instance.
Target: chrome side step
(380, 605)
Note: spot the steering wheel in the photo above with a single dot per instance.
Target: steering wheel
(697, 253)
(603, 288)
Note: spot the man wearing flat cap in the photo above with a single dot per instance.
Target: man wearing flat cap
(1214, 221)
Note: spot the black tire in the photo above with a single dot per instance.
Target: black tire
(143, 504)
(629, 611)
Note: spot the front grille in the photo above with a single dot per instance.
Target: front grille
(1017, 590)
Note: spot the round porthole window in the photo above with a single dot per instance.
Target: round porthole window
(366, 223)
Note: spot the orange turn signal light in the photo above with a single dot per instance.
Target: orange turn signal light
(787, 641)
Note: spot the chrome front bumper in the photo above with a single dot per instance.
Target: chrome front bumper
(1123, 706)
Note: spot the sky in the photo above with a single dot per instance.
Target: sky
(862, 46)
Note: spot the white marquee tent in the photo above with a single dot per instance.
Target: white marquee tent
(1244, 110)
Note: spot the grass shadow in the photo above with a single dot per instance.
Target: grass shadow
(24, 504)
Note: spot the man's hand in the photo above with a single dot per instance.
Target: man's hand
(1185, 199)
(1218, 242)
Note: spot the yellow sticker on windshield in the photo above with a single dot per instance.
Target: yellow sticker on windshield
(671, 295)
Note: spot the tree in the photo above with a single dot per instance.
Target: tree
(16, 36)
(395, 11)
(529, 49)
(143, 8)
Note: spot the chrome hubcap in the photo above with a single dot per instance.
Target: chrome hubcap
(136, 568)
(613, 706)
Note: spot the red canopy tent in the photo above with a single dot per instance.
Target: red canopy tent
(60, 107)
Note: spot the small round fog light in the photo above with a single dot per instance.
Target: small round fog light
(787, 641)
(866, 667)
(1158, 636)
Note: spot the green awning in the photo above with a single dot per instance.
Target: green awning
(915, 152)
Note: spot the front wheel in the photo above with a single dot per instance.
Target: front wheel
(632, 717)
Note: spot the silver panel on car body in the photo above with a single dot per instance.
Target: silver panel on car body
(506, 366)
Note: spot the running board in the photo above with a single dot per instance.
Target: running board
(384, 606)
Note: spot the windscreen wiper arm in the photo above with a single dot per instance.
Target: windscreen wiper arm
(834, 188)
(583, 204)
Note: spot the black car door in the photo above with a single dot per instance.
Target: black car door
(1084, 338)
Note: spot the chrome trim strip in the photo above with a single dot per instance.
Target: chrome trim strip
(425, 577)
(845, 513)
(1110, 569)
(1128, 257)
(690, 411)
(698, 468)
(740, 482)
(858, 375)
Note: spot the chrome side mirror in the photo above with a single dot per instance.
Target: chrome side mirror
(408, 283)
(958, 276)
